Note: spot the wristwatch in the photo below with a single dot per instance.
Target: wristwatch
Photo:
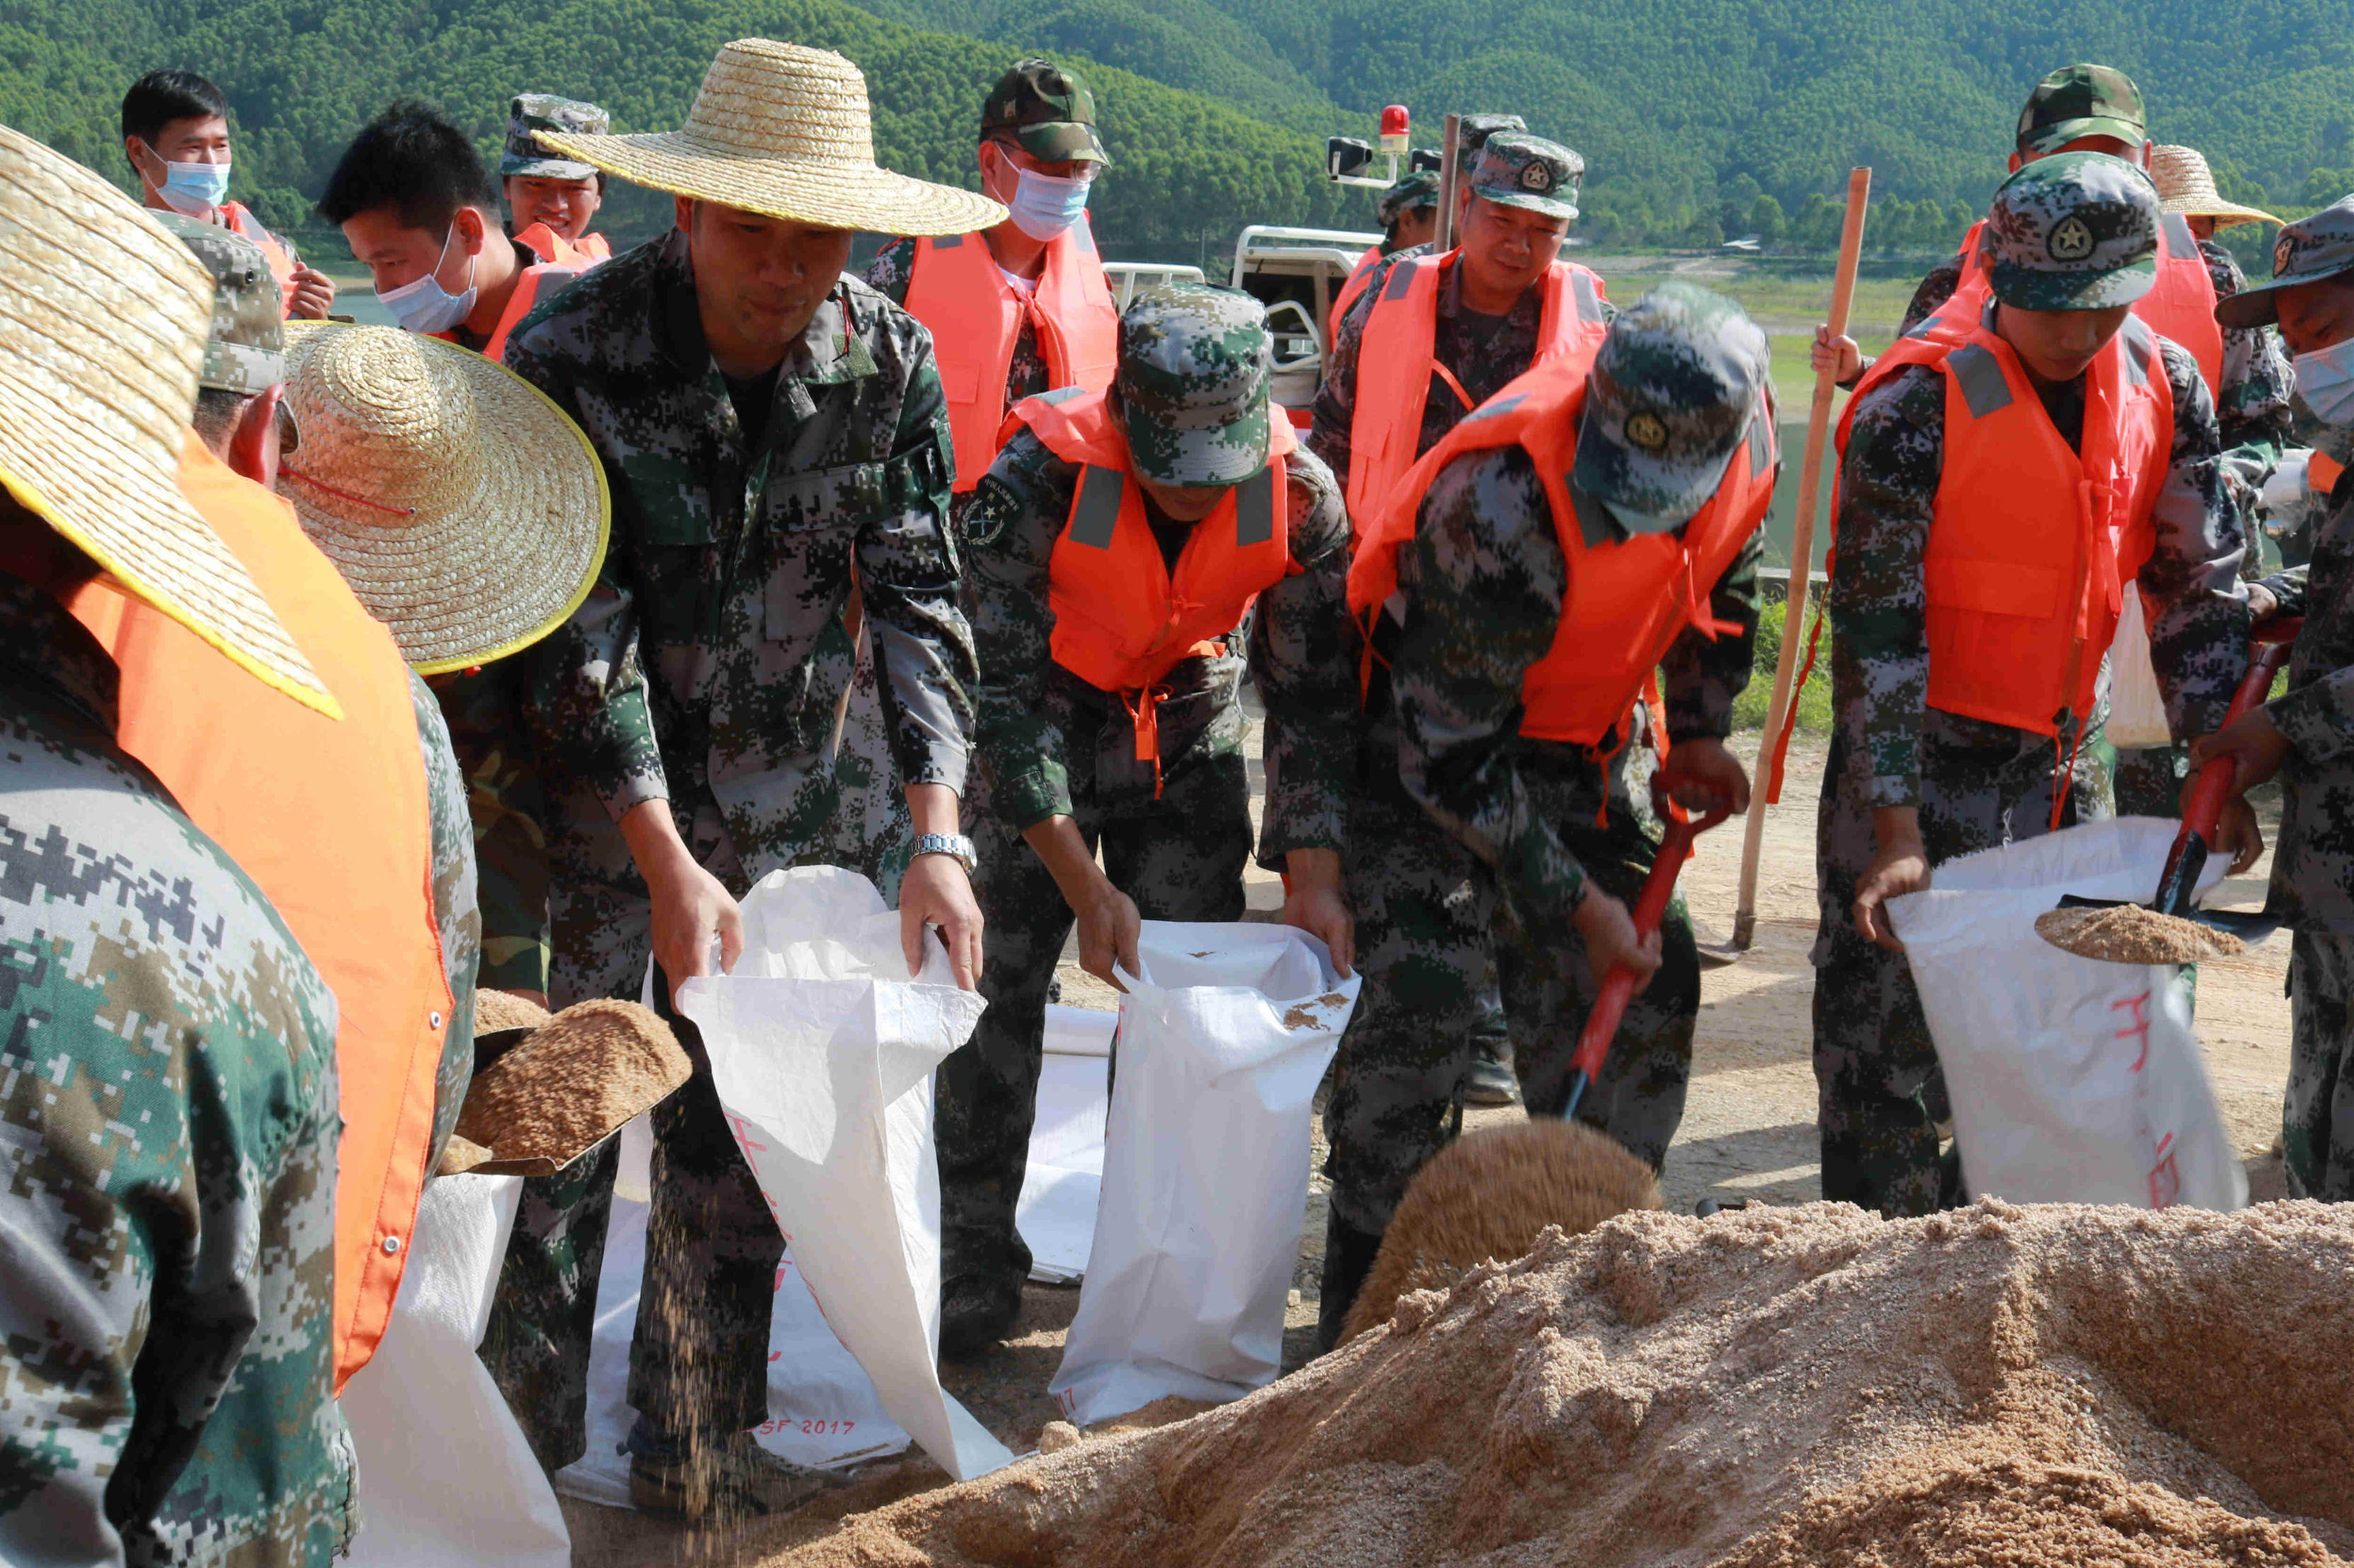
(952, 844)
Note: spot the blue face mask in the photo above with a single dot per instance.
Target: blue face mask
(1043, 206)
(2324, 378)
(424, 305)
(193, 189)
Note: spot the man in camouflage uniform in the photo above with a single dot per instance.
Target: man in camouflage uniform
(551, 201)
(763, 438)
(1065, 764)
(1408, 212)
(2306, 734)
(1543, 843)
(1908, 786)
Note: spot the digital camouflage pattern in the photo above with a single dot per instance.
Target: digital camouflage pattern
(2075, 232)
(2313, 863)
(1976, 785)
(1472, 130)
(245, 349)
(532, 113)
(1677, 383)
(2318, 1114)
(1192, 387)
(2319, 244)
(1516, 169)
(1050, 112)
(486, 714)
(168, 1093)
(543, 1314)
(1415, 192)
(2080, 101)
(456, 912)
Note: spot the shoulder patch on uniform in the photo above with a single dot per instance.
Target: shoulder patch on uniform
(991, 510)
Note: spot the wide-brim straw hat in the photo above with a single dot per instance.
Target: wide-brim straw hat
(465, 509)
(104, 318)
(784, 130)
(2186, 187)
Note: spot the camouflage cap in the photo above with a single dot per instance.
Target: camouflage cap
(1679, 380)
(1417, 191)
(2319, 246)
(1050, 112)
(1472, 130)
(1516, 169)
(1192, 384)
(2082, 101)
(246, 348)
(533, 112)
(2075, 232)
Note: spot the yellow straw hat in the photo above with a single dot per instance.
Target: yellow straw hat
(104, 318)
(2187, 186)
(463, 508)
(784, 130)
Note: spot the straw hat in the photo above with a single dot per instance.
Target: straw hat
(2187, 186)
(782, 130)
(463, 508)
(100, 342)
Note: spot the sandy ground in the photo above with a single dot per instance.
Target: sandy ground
(1748, 1132)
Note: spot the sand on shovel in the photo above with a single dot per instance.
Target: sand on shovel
(568, 1085)
(2130, 934)
(2055, 1385)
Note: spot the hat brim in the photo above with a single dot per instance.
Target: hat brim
(1062, 142)
(2051, 138)
(513, 550)
(829, 195)
(544, 169)
(2224, 213)
(2258, 305)
(2027, 289)
(1610, 471)
(1504, 195)
(1219, 455)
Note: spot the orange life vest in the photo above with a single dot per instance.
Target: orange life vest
(533, 285)
(2180, 304)
(2322, 473)
(1628, 599)
(552, 247)
(1359, 276)
(1121, 621)
(240, 220)
(955, 288)
(1395, 363)
(331, 821)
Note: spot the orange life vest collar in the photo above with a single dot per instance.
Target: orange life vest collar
(578, 255)
(533, 285)
(956, 287)
(240, 219)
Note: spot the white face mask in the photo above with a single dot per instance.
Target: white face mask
(2326, 378)
(191, 189)
(1043, 206)
(424, 305)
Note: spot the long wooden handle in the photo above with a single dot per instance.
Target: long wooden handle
(1802, 555)
(1450, 175)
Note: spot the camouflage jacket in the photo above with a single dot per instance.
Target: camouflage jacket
(1878, 604)
(168, 1128)
(1484, 583)
(456, 912)
(489, 721)
(1300, 654)
(2313, 865)
(706, 666)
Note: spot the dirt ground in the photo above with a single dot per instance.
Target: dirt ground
(1748, 1132)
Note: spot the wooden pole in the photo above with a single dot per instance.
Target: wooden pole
(1769, 785)
(1450, 171)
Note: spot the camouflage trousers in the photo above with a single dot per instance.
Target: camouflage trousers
(1429, 915)
(1881, 1097)
(2150, 780)
(2317, 1116)
(1179, 857)
(699, 1360)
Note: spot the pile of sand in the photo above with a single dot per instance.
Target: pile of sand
(1998, 1386)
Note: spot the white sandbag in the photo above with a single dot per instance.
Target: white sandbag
(2072, 1080)
(822, 1050)
(446, 1480)
(2137, 707)
(1056, 1211)
(1223, 1039)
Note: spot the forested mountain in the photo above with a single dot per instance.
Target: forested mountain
(1700, 119)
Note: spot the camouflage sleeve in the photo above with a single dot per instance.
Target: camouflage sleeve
(1303, 658)
(456, 914)
(1701, 675)
(909, 576)
(2252, 405)
(2198, 616)
(1016, 515)
(1877, 602)
(491, 737)
(1335, 409)
(2287, 587)
(893, 269)
(1936, 286)
(1484, 585)
(2318, 718)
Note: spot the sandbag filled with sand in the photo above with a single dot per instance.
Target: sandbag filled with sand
(2055, 1385)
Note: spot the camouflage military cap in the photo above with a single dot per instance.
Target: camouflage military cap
(1417, 191)
(2319, 246)
(1192, 384)
(1050, 112)
(2075, 232)
(533, 112)
(1472, 130)
(1680, 378)
(2082, 101)
(246, 348)
(1516, 169)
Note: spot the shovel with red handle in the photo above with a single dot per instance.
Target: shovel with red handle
(1618, 985)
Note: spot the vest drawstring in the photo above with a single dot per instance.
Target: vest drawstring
(1453, 386)
(1143, 707)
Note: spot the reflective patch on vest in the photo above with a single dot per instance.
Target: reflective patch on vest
(1980, 375)
(1254, 509)
(1062, 394)
(1589, 305)
(1401, 279)
(947, 242)
(1761, 440)
(2141, 350)
(1097, 516)
(1595, 523)
(2181, 242)
(1489, 410)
